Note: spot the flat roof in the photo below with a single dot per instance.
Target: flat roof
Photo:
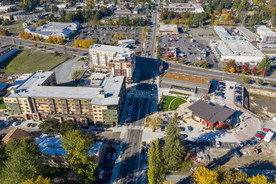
(164, 26)
(188, 78)
(223, 32)
(32, 88)
(236, 48)
(124, 51)
(263, 30)
(247, 32)
(51, 145)
(211, 113)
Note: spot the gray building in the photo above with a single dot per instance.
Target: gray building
(266, 34)
(248, 35)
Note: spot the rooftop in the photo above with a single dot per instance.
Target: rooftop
(163, 26)
(32, 87)
(236, 48)
(211, 113)
(16, 133)
(51, 145)
(118, 50)
(197, 7)
(244, 30)
(265, 31)
(188, 78)
(224, 33)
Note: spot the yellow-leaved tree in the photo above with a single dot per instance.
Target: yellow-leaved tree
(205, 176)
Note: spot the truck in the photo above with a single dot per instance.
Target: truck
(269, 136)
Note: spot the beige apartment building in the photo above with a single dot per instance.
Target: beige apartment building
(119, 61)
(38, 97)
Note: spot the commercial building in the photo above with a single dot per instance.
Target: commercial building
(120, 61)
(266, 34)
(211, 115)
(171, 52)
(184, 7)
(10, 15)
(53, 154)
(168, 29)
(225, 35)
(248, 35)
(64, 30)
(29, 17)
(126, 42)
(38, 97)
(185, 82)
(3, 88)
(238, 50)
(7, 52)
(16, 134)
(7, 7)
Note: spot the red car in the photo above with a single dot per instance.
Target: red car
(29, 124)
(266, 129)
(259, 135)
(107, 176)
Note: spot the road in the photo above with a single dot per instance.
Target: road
(49, 47)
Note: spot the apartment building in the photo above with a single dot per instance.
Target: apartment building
(38, 97)
(120, 61)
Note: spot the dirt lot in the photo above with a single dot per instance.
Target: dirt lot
(263, 160)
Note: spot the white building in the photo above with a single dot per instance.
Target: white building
(185, 7)
(225, 35)
(7, 7)
(64, 30)
(247, 34)
(266, 34)
(126, 42)
(119, 60)
(238, 50)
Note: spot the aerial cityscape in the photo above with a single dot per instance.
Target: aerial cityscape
(137, 92)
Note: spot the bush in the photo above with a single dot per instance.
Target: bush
(56, 53)
(272, 84)
(246, 80)
(261, 82)
(35, 44)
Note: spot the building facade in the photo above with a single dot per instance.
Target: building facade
(225, 35)
(184, 7)
(266, 34)
(38, 97)
(120, 61)
(168, 29)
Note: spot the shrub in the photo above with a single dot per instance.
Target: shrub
(56, 53)
(261, 82)
(35, 44)
(272, 83)
(246, 80)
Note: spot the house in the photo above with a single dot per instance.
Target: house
(211, 115)
(16, 134)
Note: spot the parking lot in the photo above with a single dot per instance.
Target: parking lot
(190, 45)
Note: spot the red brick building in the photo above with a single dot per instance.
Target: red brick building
(211, 115)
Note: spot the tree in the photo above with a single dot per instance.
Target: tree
(23, 163)
(6, 22)
(246, 80)
(260, 81)
(77, 146)
(258, 179)
(39, 180)
(189, 23)
(67, 126)
(50, 125)
(35, 44)
(173, 150)
(154, 122)
(232, 70)
(226, 176)
(3, 155)
(156, 172)
(204, 176)
(265, 63)
(272, 84)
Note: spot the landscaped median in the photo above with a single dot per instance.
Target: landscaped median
(171, 103)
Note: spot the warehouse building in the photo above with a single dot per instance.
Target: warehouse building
(38, 97)
(120, 61)
(248, 35)
(10, 15)
(238, 50)
(168, 29)
(225, 35)
(185, 82)
(266, 34)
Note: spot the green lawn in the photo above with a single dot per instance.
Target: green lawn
(174, 105)
(27, 62)
(14, 27)
(2, 104)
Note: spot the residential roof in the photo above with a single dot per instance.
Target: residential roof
(188, 78)
(3, 86)
(51, 145)
(33, 87)
(16, 133)
(211, 113)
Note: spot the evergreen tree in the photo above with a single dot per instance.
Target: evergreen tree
(173, 150)
(265, 63)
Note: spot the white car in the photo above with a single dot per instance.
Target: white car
(218, 143)
(240, 143)
(14, 124)
(101, 174)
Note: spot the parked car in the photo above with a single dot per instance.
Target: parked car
(262, 133)
(249, 142)
(108, 156)
(107, 176)
(259, 136)
(14, 124)
(240, 143)
(33, 125)
(237, 153)
(101, 174)
(29, 124)
(114, 156)
(266, 129)
(218, 144)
